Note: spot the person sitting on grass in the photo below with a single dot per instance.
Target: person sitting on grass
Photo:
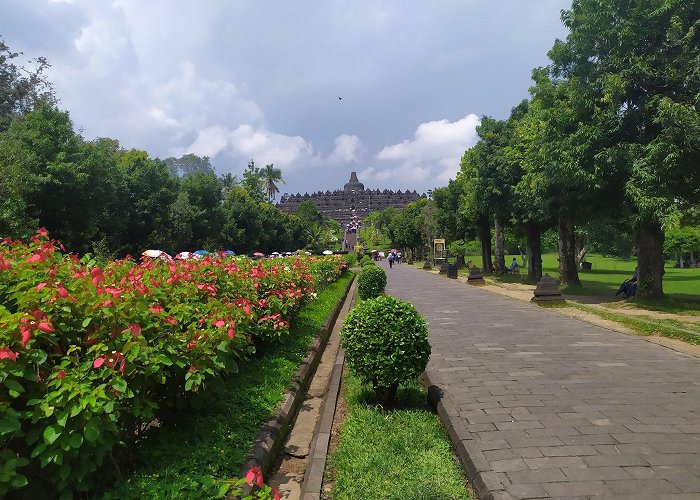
(513, 265)
(628, 288)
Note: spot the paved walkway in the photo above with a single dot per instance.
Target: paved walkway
(540, 405)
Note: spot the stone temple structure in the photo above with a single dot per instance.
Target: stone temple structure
(352, 203)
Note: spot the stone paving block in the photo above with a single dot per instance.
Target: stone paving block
(511, 464)
(595, 473)
(615, 461)
(568, 451)
(537, 476)
(555, 463)
(576, 488)
(526, 491)
(630, 486)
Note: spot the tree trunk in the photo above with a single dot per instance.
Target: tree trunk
(568, 274)
(485, 237)
(499, 255)
(650, 260)
(534, 251)
(459, 261)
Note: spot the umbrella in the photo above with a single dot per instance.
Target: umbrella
(307, 252)
(327, 252)
(393, 250)
(202, 252)
(275, 253)
(155, 254)
(184, 255)
(258, 254)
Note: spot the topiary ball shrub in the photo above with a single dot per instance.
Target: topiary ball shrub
(386, 344)
(371, 282)
(366, 260)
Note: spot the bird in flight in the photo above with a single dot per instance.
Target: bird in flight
(340, 98)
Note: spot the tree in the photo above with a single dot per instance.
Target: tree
(253, 181)
(22, 90)
(189, 164)
(639, 64)
(270, 175)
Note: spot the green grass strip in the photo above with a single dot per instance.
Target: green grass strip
(645, 325)
(403, 453)
(175, 459)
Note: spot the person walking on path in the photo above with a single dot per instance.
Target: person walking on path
(392, 256)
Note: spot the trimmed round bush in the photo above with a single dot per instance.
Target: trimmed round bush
(365, 260)
(371, 282)
(386, 343)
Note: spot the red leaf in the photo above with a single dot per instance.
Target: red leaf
(98, 362)
(45, 327)
(6, 353)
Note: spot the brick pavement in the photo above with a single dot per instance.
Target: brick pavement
(540, 405)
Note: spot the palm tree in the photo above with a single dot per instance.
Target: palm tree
(270, 175)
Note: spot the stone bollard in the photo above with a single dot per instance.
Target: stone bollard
(547, 291)
(475, 276)
(452, 271)
(426, 265)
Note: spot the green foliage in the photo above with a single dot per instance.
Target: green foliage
(182, 457)
(371, 282)
(366, 260)
(91, 355)
(403, 453)
(22, 89)
(386, 343)
(350, 259)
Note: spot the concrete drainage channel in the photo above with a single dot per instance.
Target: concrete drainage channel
(300, 466)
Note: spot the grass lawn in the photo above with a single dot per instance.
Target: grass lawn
(608, 272)
(175, 459)
(402, 454)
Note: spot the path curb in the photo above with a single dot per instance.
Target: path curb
(482, 478)
(316, 461)
(267, 445)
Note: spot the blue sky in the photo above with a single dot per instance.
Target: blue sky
(239, 80)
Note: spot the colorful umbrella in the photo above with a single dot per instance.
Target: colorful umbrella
(327, 252)
(184, 255)
(258, 254)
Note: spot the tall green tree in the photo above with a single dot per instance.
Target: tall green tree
(640, 63)
(253, 181)
(22, 89)
(271, 176)
(189, 164)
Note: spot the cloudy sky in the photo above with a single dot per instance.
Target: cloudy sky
(258, 79)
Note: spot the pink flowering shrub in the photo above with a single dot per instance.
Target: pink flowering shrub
(91, 354)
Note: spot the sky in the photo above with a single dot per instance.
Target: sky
(240, 80)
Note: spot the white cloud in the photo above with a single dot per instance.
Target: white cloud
(346, 149)
(433, 154)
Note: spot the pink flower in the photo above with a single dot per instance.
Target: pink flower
(40, 286)
(157, 309)
(7, 353)
(275, 494)
(135, 329)
(219, 323)
(62, 292)
(26, 335)
(98, 362)
(42, 232)
(61, 374)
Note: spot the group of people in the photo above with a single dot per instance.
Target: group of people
(394, 257)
